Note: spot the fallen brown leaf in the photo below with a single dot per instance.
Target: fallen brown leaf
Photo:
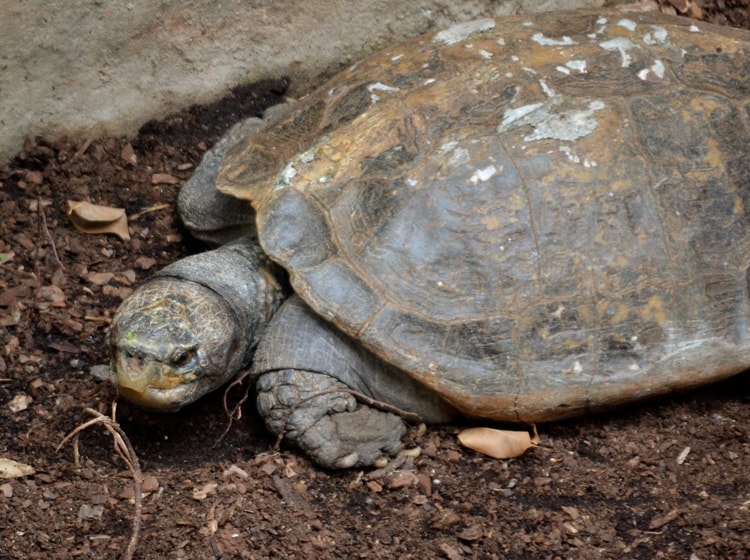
(500, 444)
(96, 219)
(13, 469)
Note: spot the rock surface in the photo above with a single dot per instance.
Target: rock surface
(84, 69)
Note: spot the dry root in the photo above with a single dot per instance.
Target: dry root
(125, 450)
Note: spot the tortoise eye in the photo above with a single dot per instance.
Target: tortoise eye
(180, 357)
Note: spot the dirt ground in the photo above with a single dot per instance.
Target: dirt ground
(669, 479)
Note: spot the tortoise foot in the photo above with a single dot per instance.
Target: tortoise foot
(316, 412)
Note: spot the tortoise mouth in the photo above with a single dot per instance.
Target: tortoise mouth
(153, 384)
(158, 399)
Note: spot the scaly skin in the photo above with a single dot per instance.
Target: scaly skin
(193, 326)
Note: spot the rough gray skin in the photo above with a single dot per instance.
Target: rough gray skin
(197, 323)
(302, 357)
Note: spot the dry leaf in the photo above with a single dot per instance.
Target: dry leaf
(14, 469)
(164, 179)
(500, 444)
(95, 219)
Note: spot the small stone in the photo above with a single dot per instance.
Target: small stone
(128, 154)
(145, 263)
(402, 479)
(471, 533)
(20, 402)
(90, 512)
(34, 177)
(100, 278)
(150, 484)
(202, 492)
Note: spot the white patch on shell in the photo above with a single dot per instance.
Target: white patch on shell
(579, 65)
(570, 155)
(548, 91)
(429, 81)
(565, 126)
(628, 24)
(307, 156)
(513, 115)
(485, 54)
(458, 157)
(550, 42)
(284, 179)
(378, 86)
(462, 31)
(694, 29)
(622, 44)
(574, 158)
(411, 182)
(397, 57)
(501, 42)
(657, 69)
(657, 36)
(601, 21)
(482, 175)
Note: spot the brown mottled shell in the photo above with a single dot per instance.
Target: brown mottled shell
(535, 216)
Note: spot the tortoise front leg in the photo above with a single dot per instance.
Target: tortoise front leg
(319, 414)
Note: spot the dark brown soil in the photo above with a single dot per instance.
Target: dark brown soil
(664, 480)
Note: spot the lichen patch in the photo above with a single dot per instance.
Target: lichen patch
(484, 174)
(657, 69)
(551, 42)
(566, 125)
(462, 31)
(628, 24)
(657, 36)
(622, 44)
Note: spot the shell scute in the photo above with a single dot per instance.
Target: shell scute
(535, 218)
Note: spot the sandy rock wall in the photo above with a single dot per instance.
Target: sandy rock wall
(84, 68)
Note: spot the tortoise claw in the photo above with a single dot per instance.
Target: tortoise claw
(317, 413)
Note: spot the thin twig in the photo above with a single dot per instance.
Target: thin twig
(43, 214)
(236, 412)
(82, 150)
(125, 450)
(154, 208)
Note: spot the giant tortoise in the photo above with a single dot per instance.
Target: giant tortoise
(520, 219)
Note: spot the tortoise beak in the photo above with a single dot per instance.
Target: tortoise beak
(151, 384)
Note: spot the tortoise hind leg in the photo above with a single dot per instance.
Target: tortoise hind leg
(317, 413)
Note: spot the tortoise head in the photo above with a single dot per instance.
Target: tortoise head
(172, 341)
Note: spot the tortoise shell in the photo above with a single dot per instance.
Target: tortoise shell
(536, 216)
